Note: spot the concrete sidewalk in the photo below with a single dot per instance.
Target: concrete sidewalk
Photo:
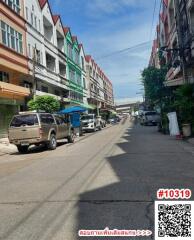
(6, 147)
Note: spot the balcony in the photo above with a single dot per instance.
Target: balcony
(40, 93)
(14, 89)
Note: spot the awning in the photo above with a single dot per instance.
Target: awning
(88, 106)
(84, 105)
(14, 89)
(73, 109)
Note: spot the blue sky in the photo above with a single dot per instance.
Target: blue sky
(105, 26)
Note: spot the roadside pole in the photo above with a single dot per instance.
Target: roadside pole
(33, 73)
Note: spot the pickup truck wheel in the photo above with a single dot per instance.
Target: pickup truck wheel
(71, 138)
(22, 149)
(52, 144)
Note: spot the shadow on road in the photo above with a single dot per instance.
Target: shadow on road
(148, 162)
(143, 162)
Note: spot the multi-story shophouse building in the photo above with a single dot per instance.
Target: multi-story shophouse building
(108, 93)
(45, 47)
(84, 79)
(100, 88)
(74, 69)
(175, 36)
(13, 60)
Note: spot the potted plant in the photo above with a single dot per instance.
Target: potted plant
(184, 102)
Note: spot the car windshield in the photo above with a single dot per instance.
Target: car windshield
(150, 113)
(24, 120)
(88, 117)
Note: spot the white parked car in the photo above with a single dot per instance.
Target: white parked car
(90, 123)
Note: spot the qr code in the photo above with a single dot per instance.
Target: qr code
(174, 220)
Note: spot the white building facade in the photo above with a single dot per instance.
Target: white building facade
(45, 47)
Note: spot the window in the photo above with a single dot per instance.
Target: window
(76, 96)
(39, 25)
(35, 22)
(76, 56)
(11, 38)
(4, 77)
(24, 120)
(29, 50)
(84, 83)
(14, 5)
(47, 119)
(72, 75)
(83, 67)
(26, 13)
(32, 18)
(59, 120)
(44, 89)
(57, 92)
(79, 79)
(69, 50)
(38, 56)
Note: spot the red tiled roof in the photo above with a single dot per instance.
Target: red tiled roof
(42, 3)
(66, 30)
(74, 38)
(88, 58)
(166, 2)
(55, 18)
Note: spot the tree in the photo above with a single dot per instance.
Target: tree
(46, 103)
(184, 103)
(153, 81)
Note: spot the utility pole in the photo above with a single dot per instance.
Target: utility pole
(180, 34)
(33, 73)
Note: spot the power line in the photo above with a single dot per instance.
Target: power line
(154, 11)
(124, 50)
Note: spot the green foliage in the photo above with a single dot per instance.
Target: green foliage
(47, 103)
(184, 103)
(153, 81)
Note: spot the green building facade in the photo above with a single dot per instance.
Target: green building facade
(73, 69)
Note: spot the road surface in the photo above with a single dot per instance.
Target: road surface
(108, 179)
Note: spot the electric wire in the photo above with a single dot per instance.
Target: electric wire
(153, 16)
(124, 50)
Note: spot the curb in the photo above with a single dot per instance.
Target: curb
(69, 145)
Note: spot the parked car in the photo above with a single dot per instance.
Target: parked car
(102, 121)
(150, 117)
(90, 123)
(29, 128)
(112, 120)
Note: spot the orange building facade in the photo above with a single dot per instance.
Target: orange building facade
(13, 61)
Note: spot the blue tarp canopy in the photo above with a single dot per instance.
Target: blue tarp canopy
(73, 109)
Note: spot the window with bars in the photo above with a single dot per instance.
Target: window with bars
(76, 56)
(11, 38)
(14, 5)
(69, 50)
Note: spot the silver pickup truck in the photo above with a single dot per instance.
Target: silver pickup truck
(30, 128)
(150, 117)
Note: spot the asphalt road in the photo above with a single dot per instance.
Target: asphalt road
(108, 179)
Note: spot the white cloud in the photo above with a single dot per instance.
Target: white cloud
(112, 6)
